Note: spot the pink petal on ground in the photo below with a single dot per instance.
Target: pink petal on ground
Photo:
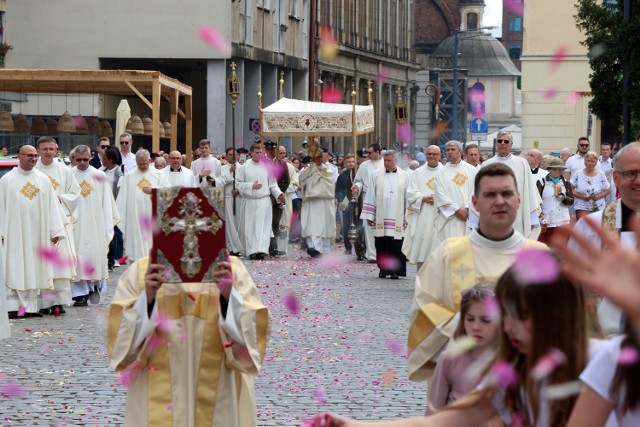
(515, 6)
(503, 374)
(547, 363)
(396, 347)
(9, 389)
(320, 396)
(404, 133)
(558, 57)
(333, 260)
(331, 94)
(388, 377)
(22, 310)
(366, 337)
(535, 266)
(388, 262)
(628, 356)
(213, 38)
(383, 75)
(550, 93)
(292, 304)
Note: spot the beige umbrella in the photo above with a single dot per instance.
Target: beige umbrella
(123, 114)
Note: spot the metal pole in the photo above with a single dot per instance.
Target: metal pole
(233, 135)
(454, 94)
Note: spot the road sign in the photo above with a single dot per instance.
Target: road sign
(478, 125)
(479, 136)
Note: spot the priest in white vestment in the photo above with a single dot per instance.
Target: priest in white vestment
(452, 193)
(231, 197)
(460, 263)
(134, 206)
(31, 225)
(97, 216)
(255, 184)
(318, 207)
(420, 237)
(527, 221)
(383, 208)
(360, 188)
(176, 175)
(206, 168)
(189, 351)
(68, 192)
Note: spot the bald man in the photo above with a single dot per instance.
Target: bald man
(534, 158)
(177, 175)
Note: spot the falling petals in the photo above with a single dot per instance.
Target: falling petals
(404, 133)
(320, 396)
(148, 226)
(9, 389)
(331, 94)
(386, 262)
(461, 346)
(491, 308)
(22, 311)
(503, 374)
(572, 98)
(123, 260)
(292, 304)
(557, 58)
(628, 356)
(163, 323)
(550, 93)
(213, 38)
(515, 6)
(535, 266)
(396, 347)
(225, 282)
(547, 363)
(328, 45)
(129, 375)
(383, 75)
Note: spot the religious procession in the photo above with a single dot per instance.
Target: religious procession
(319, 214)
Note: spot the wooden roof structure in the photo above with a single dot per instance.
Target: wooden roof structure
(144, 84)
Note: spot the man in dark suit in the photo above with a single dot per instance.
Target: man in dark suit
(103, 145)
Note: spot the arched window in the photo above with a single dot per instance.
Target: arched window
(472, 21)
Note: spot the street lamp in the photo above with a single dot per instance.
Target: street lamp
(401, 115)
(454, 95)
(433, 91)
(233, 91)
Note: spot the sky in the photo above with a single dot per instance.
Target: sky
(493, 16)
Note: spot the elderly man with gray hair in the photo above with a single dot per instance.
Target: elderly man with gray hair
(134, 206)
(452, 193)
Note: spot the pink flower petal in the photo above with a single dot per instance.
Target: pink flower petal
(388, 262)
(123, 260)
(9, 389)
(404, 133)
(515, 6)
(388, 378)
(319, 395)
(491, 308)
(148, 226)
(225, 282)
(503, 374)
(383, 75)
(331, 94)
(292, 304)
(163, 323)
(130, 373)
(155, 341)
(535, 266)
(213, 38)
(21, 311)
(558, 57)
(628, 356)
(547, 363)
(328, 45)
(396, 347)
(572, 98)
(550, 93)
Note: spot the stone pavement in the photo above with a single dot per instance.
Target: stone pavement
(343, 352)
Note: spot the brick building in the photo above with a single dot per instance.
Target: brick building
(512, 25)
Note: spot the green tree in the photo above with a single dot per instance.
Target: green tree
(610, 40)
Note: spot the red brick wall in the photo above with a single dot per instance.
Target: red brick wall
(435, 20)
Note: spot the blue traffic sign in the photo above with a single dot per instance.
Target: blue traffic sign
(478, 125)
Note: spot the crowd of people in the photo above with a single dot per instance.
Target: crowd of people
(501, 328)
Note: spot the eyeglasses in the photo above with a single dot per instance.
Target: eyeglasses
(583, 145)
(31, 156)
(104, 147)
(124, 142)
(629, 175)
(473, 293)
(503, 141)
(81, 160)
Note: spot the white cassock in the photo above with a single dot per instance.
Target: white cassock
(420, 237)
(206, 163)
(30, 216)
(287, 211)
(183, 177)
(457, 264)
(363, 175)
(134, 207)
(527, 221)
(318, 207)
(97, 215)
(68, 191)
(453, 190)
(538, 174)
(226, 179)
(256, 218)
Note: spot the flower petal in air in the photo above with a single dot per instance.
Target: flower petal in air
(547, 363)
(535, 266)
(213, 38)
(292, 304)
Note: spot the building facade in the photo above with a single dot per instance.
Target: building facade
(512, 29)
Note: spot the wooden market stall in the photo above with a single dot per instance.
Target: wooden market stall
(144, 84)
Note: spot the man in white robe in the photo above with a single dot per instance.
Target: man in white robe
(97, 216)
(615, 217)
(360, 188)
(452, 193)
(421, 236)
(134, 206)
(68, 192)
(462, 262)
(255, 184)
(31, 225)
(176, 175)
(383, 208)
(318, 207)
(189, 351)
(287, 209)
(527, 221)
(207, 167)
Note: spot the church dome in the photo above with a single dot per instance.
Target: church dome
(480, 53)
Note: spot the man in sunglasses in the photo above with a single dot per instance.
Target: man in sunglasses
(128, 158)
(103, 145)
(576, 162)
(527, 221)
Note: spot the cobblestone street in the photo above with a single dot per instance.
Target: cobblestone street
(343, 352)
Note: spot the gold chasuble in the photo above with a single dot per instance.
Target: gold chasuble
(187, 372)
(457, 264)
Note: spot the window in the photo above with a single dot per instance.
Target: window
(515, 24)
(515, 51)
(472, 21)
